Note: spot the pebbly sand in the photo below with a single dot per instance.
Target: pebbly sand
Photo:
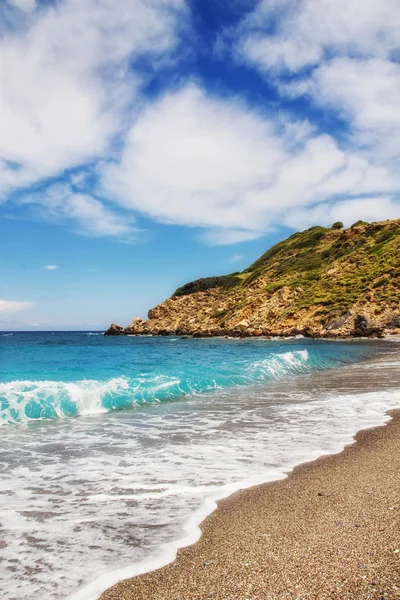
(330, 530)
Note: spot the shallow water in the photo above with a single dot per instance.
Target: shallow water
(112, 450)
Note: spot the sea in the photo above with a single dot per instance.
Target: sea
(114, 449)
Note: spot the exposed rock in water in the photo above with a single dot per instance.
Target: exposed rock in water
(115, 329)
(318, 283)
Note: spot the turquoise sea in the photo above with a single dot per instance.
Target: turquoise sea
(112, 450)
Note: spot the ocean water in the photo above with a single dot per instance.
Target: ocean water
(113, 450)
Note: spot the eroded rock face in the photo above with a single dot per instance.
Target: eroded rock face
(317, 283)
(360, 324)
(336, 323)
(363, 328)
(136, 327)
(200, 315)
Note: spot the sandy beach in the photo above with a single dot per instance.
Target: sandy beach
(330, 530)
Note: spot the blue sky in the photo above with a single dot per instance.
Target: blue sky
(145, 143)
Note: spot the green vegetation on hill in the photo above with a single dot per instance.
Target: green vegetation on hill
(330, 269)
(207, 283)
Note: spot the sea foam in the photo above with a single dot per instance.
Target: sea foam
(112, 493)
(22, 401)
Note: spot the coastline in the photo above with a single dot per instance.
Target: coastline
(328, 530)
(375, 333)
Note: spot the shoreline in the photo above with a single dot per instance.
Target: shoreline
(243, 335)
(296, 537)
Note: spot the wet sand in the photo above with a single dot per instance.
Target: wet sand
(331, 530)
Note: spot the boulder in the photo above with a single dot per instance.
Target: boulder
(362, 328)
(242, 326)
(136, 326)
(115, 329)
(334, 323)
(360, 325)
(394, 322)
(283, 294)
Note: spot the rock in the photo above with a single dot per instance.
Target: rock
(394, 323)
(360, 325)
(136, 326)
(308, 332)
(242, 326)
(336, 322)
(115, 329)
(266, 299)
(363, 328)
(283, 294)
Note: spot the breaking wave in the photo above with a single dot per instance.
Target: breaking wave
(22, 401)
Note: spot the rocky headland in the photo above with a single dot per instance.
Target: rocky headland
(322, 282)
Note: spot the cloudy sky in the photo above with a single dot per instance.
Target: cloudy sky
(144, 143)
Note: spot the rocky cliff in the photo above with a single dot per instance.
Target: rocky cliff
(320, 282)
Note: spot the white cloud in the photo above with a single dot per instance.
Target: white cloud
(367, 94)
(88, 215)
(25, 5)
(235, 257)
(342, 56)
(9, 306)
(196, 160)
(349, 49)
(311, 30)
(221, 237)
(190, 159)
(347, 211)
(50, 267)
(66, 84)
(70, 99)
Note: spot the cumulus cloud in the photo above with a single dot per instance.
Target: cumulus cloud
(71, 104)
(308, 32)
(9, 306)
(67, 82)
(349, 49)
(197, 160)
(343, 57)
(366, 92)
(348, 211)
(50, 267)
(25, 5)
(87, 214)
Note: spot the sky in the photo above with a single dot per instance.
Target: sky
(147, 143)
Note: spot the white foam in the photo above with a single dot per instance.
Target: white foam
(49, 396)
(336, 427)
(101, 498)
(32, 400)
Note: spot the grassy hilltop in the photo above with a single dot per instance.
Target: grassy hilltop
(319, 282)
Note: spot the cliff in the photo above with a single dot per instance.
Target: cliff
(320, 282)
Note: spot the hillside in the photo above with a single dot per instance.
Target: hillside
(320, 282)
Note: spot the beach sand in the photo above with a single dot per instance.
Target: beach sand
(330, 530)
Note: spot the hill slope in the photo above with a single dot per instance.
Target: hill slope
(319, 282)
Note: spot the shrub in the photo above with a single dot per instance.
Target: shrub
(200, 285)
(219, 314)
(338, 225)
(381, 282)
(359, 223)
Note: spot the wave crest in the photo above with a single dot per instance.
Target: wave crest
(22, 401)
